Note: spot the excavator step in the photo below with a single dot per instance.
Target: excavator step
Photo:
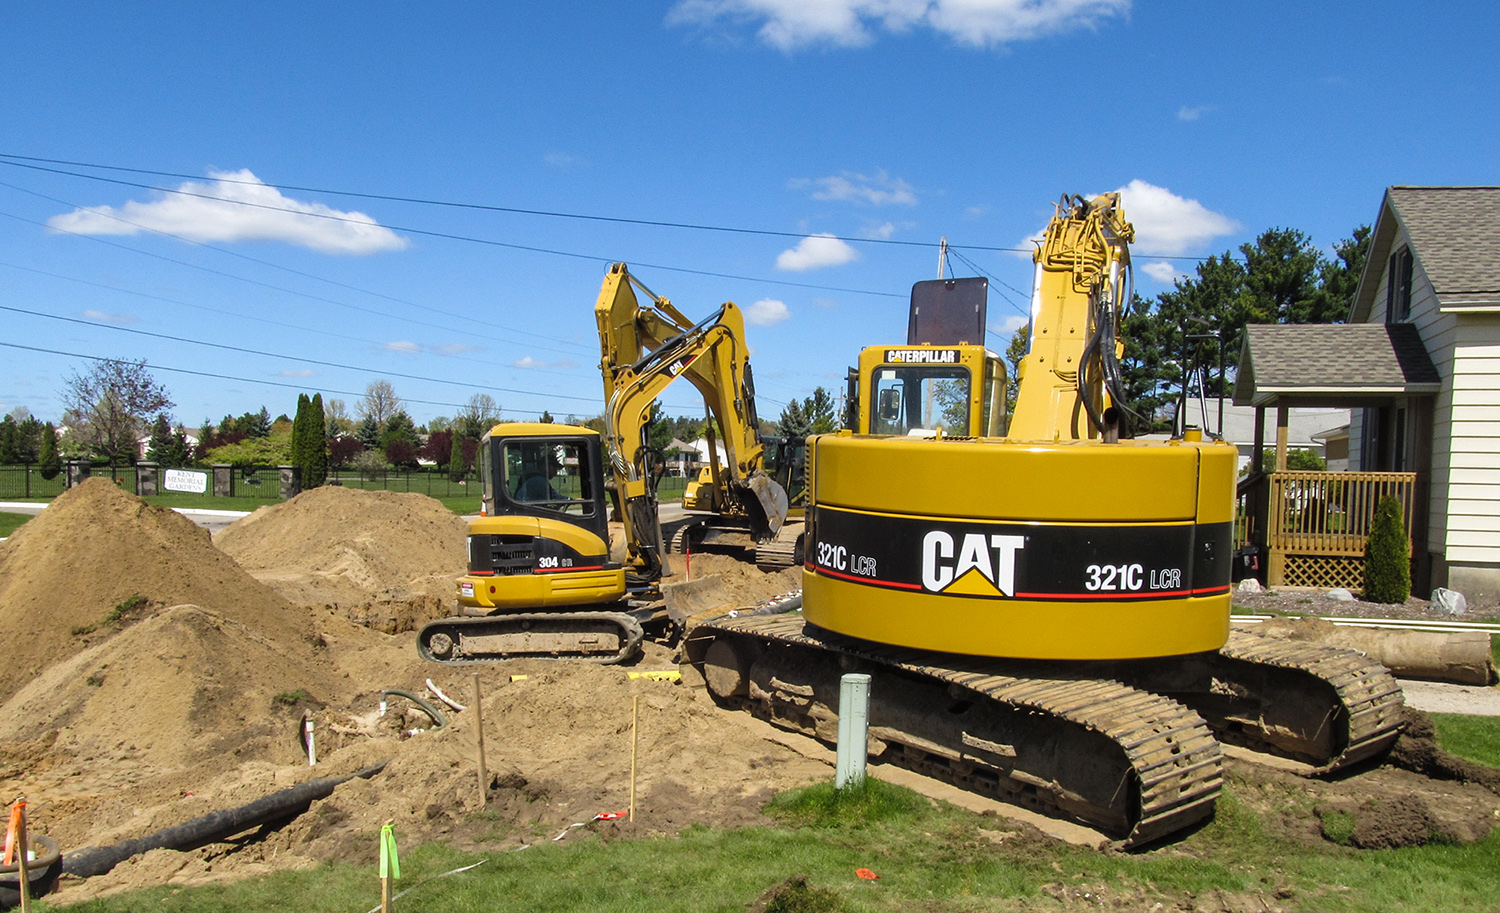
(601, 637)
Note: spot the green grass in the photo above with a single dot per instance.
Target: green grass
(930, 857)
(1476, 738)
(9, 523)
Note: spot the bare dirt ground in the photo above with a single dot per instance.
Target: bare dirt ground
(153, 678)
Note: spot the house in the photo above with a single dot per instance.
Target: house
(1434, 265)
(1418, 365)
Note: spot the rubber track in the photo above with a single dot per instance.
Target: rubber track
(1175, 758)
(1370, 696)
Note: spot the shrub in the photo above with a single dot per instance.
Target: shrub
(1387, 556)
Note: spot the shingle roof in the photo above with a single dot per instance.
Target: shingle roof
(1456, 235)
(1330, 358)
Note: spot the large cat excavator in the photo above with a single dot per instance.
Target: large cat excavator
(543, 580)
(1043, 607)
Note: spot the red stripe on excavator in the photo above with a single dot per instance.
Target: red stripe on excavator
(1142, 594)
(870, 580)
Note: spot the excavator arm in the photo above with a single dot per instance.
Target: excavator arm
(643, 350)
(1071, 385)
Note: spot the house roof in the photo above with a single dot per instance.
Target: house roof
(1332, 361)
(1454, 237)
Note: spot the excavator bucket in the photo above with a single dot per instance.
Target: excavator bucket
(773, 503)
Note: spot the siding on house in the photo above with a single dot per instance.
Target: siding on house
(1456, 265)
(1473, 483)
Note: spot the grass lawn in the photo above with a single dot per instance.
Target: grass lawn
(10, 522)
(929, 857)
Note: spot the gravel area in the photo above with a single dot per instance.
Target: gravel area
(1289, 601)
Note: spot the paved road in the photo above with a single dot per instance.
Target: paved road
(211, 520)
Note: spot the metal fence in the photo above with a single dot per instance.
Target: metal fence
(27, 482)
(264, 482)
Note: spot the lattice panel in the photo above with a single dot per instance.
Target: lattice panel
(1325, 572)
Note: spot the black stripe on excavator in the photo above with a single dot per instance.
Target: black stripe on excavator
(972, 559)
(553, 557)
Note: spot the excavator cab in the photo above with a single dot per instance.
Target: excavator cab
(545, 522)
(920, 390)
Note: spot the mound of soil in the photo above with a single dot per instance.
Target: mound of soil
(98, 559)
(558, 747)
(385, 559)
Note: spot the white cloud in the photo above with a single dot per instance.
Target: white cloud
(236, 206)
(1006, 326)
(532, 363)
(816, 252)
(1163, 272)
(1167, 225)
(792, 24)
(304, 372)
(102, 317)
(403, 346)
(767, 312)
(561, 160)
(1194, 112)
(848, 187)
(883, 231)
(974, 212)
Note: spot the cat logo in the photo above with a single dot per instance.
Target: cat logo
(986, 565)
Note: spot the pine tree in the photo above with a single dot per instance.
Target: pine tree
(299, 436)
(457, 467)
(317, 445)
(369, 433)
(50, 462)
(1387, 556)
(159, 450)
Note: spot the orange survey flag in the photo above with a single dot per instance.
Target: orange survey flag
(17, 812)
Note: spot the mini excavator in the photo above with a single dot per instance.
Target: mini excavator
(1043, 605)
(543, 579)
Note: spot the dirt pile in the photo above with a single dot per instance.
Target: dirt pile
(383, 558)
(99, 559)
(558, 749)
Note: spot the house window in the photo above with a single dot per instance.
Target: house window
(1398, 287)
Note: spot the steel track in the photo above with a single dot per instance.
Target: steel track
(1167, 763)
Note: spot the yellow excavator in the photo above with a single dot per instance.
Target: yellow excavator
(1043, 604)
(543, 579)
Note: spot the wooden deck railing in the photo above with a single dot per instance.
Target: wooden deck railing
(1329, 513)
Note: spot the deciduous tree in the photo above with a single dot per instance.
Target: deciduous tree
(110, 403)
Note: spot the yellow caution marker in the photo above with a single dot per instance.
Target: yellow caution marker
(662, 675)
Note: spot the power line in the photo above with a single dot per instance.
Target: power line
(448, 236)
(267, 285)
(309, 361)
(16, 160)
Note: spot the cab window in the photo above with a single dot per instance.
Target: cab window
(920, 399)
(548, 474)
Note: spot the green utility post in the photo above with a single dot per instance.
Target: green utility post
(854, 727)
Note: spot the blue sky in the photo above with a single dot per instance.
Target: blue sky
(866, 120)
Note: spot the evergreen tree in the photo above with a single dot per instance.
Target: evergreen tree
(1387, 556)
(166, 447)
(794, 421)
(51, 463)
(458, 467)
(299, 436)
(316, 473)
(8, 438)
(368, 433)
